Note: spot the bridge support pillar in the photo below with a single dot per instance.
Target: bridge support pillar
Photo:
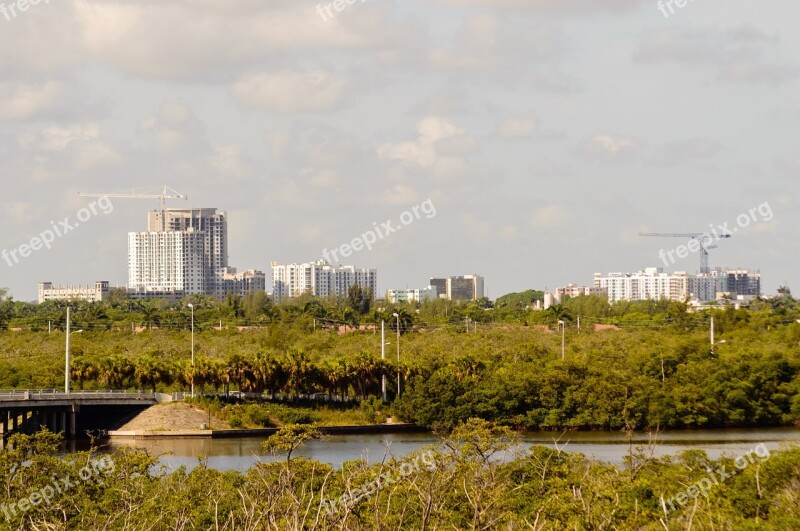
(63, 422)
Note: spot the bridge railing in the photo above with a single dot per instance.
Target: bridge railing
(56, 394)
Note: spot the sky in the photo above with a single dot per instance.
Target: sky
(544, 134)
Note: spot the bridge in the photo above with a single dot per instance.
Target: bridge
(68, 413)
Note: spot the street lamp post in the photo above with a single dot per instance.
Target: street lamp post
(397, 315)
(563, 326)
(191, 307)
(66, 364)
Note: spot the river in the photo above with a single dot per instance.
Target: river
(611, 447)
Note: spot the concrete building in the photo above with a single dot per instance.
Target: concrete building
(213, 224)
(163, 262)
(397, 296)
(320, 279)
(649, 284)
(573, 290)
(96, 293)
(459, 288)
(249, 281)
(185, 252)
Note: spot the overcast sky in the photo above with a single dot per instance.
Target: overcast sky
(547, 133)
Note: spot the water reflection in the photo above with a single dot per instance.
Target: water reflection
(611, 447)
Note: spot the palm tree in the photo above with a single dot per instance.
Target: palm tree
(299, 371)
(150, 316)
(83, 370)
(406, 321)
(558, 312)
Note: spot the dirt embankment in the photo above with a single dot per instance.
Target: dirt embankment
(176, 416)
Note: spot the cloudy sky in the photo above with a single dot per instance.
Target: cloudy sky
(547, 133)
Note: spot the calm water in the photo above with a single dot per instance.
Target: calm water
(240, 454)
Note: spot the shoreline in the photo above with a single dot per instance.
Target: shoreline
(375, 429)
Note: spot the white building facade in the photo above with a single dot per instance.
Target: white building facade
(320, 279)
(163, 262)
(654, 284)
(398, 296)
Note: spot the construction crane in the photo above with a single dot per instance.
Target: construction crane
(703, 238)
(159, 192)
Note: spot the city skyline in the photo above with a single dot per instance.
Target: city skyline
(548, 135)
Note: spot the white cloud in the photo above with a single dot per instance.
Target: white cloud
(608, 147)
(550, 216)
(24, 102)
(438, 139)
(517, 128)
(291, 92)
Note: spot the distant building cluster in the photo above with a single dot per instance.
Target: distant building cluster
(320, 279)
(96, 293)
(653, 283)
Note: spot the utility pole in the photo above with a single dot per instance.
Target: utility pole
(712, 333)
(66, 370)
(562, 324)
(383, 357)
(398, 354)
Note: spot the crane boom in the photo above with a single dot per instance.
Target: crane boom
(159, 192)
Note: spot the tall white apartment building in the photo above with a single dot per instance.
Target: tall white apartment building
(213, 224)
(160, 262)
(320, 279)
(50, 292)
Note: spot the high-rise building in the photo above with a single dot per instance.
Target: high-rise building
(459, 288)
(320, 279)
(214, 226)
(96, 293)
(163, 262)
(440, 285)
(185, 252)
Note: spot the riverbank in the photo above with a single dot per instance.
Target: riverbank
(376, 429)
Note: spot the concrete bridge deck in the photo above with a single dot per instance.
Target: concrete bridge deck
(29, 411)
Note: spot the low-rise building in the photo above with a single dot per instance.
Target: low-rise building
(96, 293)
(249, 281)
(397, 296)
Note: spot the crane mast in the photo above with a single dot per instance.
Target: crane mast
(703, 238)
